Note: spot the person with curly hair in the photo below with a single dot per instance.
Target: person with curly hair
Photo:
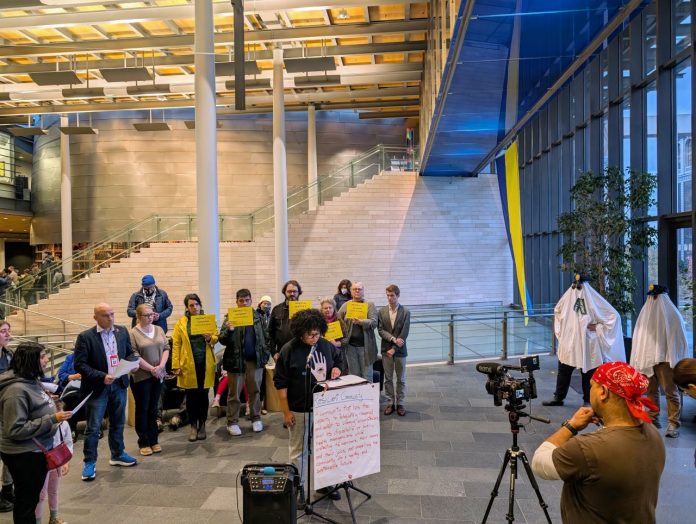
(305, 360)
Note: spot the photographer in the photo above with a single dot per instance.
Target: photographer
(613, 474)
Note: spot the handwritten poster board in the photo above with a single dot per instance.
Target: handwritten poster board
(334, 331)
(202, 324)
(356, 310)
(295, 306)
(240, 316)
(346, 434)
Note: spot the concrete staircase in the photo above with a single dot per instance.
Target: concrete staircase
(442, 240)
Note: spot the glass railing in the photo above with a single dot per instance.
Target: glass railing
(232, 228)
(475, 333)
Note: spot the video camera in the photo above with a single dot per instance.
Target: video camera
(503, 386)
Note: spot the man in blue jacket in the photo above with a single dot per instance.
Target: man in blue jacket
(98, 351)
(155, 297)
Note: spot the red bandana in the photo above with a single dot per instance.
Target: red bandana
(626, 382)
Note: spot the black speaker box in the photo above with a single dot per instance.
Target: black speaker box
(270, 493)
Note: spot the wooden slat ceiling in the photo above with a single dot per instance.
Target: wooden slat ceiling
(389, 55)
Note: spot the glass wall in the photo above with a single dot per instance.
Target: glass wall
(630, 106)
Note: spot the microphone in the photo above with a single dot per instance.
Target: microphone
(311, 354)
(489, 368)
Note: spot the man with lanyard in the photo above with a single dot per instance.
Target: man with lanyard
(613, 474)
(154, 297)
(98, 351)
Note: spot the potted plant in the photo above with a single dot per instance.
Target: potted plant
(605, 233)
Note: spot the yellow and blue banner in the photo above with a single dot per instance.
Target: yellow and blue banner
(507, 168)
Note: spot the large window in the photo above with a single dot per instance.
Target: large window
(682, 24)
(650, 39)
(651, 136)
(683, 136)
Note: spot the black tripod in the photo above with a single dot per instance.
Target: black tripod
(514, 409)
(346, 486)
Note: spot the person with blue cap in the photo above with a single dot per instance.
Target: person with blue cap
(153, 296)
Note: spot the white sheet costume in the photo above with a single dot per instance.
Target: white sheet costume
(659, 335)
(577, 346)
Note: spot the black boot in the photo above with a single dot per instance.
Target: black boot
(5, 505)
(8, 493)
(553, 402)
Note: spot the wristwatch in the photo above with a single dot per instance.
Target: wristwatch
(566, 424)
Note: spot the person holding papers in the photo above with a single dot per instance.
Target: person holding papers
(244, 359)
(305, 360)
(359, 342)
(150, 343)
(29, 420)
(98, 351)
(193, 362)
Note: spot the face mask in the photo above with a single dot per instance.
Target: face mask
(267, 309)
(344, 290)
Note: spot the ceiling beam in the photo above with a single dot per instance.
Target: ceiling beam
(274, 35)
(224, 104)
(144, 14)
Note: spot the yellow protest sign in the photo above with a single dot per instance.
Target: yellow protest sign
(334, 332)
(356, 310)
(203, 324)
(299, 305)
(241, 316)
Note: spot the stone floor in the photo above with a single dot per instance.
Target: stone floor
(439, 464)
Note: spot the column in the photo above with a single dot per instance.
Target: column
(65, 201)
(280, 174)
(313, 190)
(206, 160)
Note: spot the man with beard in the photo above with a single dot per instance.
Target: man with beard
(279, 324)
(612, 474)
(153, 296)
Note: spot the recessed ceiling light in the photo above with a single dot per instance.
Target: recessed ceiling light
(343, 15)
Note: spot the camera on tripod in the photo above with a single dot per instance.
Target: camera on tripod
(504, 386)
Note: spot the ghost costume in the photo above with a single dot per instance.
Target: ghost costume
(580, 348)
(659, 342)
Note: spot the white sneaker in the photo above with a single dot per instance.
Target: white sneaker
(234, 430)
(257, 426)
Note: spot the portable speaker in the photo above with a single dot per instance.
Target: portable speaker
(270, 493)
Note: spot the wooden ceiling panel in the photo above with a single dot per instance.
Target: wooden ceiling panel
(390, 58)
(388, 39)
(357, 59)
(348, 15)
(307, 18)
(157, 28)
(383, 13)
(359, 40)
(419, 10)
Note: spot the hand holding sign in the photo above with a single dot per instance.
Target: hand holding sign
(356, 310)
(334, 331)
(203, 324)
(295, 306)
(240, 316)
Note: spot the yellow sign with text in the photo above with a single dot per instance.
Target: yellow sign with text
(356, 310)
(203, 325)
(334, 332)
(298, 305)
(240, 316)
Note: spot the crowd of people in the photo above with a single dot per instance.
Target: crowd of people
(610, 475)
(33, 419)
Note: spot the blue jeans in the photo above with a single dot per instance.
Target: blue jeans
(111, 400)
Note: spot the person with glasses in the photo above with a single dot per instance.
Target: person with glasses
(305, 360)
(150, 343)
(279, 332)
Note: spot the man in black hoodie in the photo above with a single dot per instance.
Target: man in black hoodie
(279, 325)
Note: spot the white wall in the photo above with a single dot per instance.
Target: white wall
(121, 175)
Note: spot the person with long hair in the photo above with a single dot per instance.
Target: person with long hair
(193, 362)
(7, 493)
(150, 342)
(28, 416)
(343, 294)
(305, 360)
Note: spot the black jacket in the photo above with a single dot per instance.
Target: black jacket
(233, 340)
(291, 371)
(279, 328)
(90, 359)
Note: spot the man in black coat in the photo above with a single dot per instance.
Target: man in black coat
(157, 298)
(97, 354)
(279, 325)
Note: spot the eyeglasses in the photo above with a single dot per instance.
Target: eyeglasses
(148, 315)
(313, 334)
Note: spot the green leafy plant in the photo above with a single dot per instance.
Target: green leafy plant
(604, 234)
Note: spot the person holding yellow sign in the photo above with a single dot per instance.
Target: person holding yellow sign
(244, 359)
(193, 362)
(335, 327)
(359, 341)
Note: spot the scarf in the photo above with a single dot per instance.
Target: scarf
(626, 382)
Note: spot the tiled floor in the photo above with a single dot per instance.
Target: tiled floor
(439, 464)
